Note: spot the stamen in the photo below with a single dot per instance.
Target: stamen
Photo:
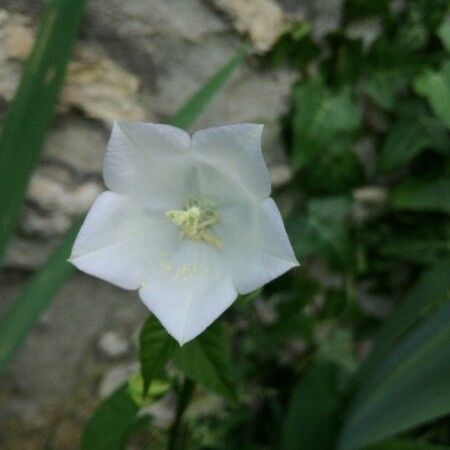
(195, 220)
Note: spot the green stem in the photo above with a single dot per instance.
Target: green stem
(184, 399)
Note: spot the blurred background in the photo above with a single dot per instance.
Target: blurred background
(355, 99)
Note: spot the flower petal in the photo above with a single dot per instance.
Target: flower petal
(121, 242)
(149, 161)
(255, 244)
(236, 150)
(190, 290)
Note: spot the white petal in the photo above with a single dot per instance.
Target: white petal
(255, 244)
(121, 242)
(190, 290)
(149, 161)
(235, 150)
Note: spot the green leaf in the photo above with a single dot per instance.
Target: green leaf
(156, 347)
(31, 111)
(197, 103)
(113, 422)
(409, 387)
(38, 293)
(444, 34)
(312, 418)
(408, 137)
(321, 118)
(207, 360)
(361, 9)
(384, 85)
(323, 231)
(390, 72)
(338, 349)
(435, 87)
(403, 444)
(335, 171)
(415, 195)
(424, 297)
(34, 298)
(418, 251)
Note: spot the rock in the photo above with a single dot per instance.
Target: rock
(76, 145)
(112, 345)
(262, 20)
(28, 253)
(94, 83)
(115, 377)
(367, 30)
(372, 195)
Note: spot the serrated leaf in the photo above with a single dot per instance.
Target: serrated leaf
(156, 347)
(321, 118)
(408, 137)
(207, 361)
(311, 421)
(31, 111)
(112, 423)
(415, 195)
(435, 87)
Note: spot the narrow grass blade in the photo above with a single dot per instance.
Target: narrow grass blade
(409, 387)
(34, 298)
(32, 109)
(193, 108)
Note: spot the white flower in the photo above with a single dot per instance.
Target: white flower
(187, 220)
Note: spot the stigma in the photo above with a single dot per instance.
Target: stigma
(195, 221)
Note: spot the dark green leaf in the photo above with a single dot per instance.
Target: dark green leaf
(113, 422)
(403, 444)
(444, 34)
(409, 387)
(408, 137)
(323, 231)
(384, 86)
(31, 111)
(321, 118)
(156, 347)
(424, 251)
(435, 87)
(335, 171)
(424, 297)
(414, 195)
(312, 418)
(34, 298)
(361, 9)
(207, 360)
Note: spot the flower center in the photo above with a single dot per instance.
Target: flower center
(194, 221)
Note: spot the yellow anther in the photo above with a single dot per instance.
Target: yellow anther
(194, 221)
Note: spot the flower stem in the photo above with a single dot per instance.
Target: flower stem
(184, 398)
